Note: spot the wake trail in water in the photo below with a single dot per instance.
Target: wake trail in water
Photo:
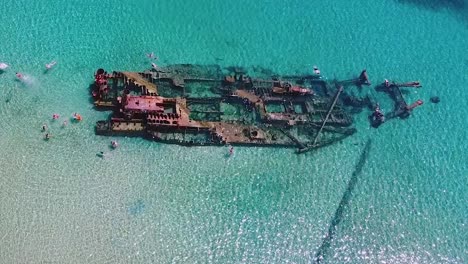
(28, 80)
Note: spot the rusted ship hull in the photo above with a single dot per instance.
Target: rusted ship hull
(195, 105)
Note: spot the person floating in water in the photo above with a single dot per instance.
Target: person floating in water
(316, 70)
(150, 55)
(378, 117)
(364, 78)
(77, 117)
(50, 65)
(114, 144)
(386, 83)
(3, 66)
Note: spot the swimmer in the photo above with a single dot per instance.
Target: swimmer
(55, 116)
(3, 66)
(231, 150)
(44, 127)
(101, 154)
(19, 75)
(377, 108)
(64, 124)
(114, 144)
(387, 83)
(154, 66)
(150, 55)
(50, 65)
(316, 70)
(77, 117)
(47, 136)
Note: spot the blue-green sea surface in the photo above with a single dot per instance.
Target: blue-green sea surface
(147, 202)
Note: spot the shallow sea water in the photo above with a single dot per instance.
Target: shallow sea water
(149, 202)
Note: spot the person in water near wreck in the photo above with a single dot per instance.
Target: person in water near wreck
(364, 78)
(377, 117)
(316, 70)
(77, 117)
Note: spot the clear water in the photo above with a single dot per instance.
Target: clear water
(148, 202)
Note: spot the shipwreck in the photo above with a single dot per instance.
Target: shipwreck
(196, 105)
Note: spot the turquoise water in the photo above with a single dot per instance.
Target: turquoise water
(148, 202)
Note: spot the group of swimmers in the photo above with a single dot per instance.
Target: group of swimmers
(152, 57)
(77, 117)
(113, 145)
(48, 67)
(44, 129)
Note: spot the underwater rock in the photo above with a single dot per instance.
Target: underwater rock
(435, 99)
